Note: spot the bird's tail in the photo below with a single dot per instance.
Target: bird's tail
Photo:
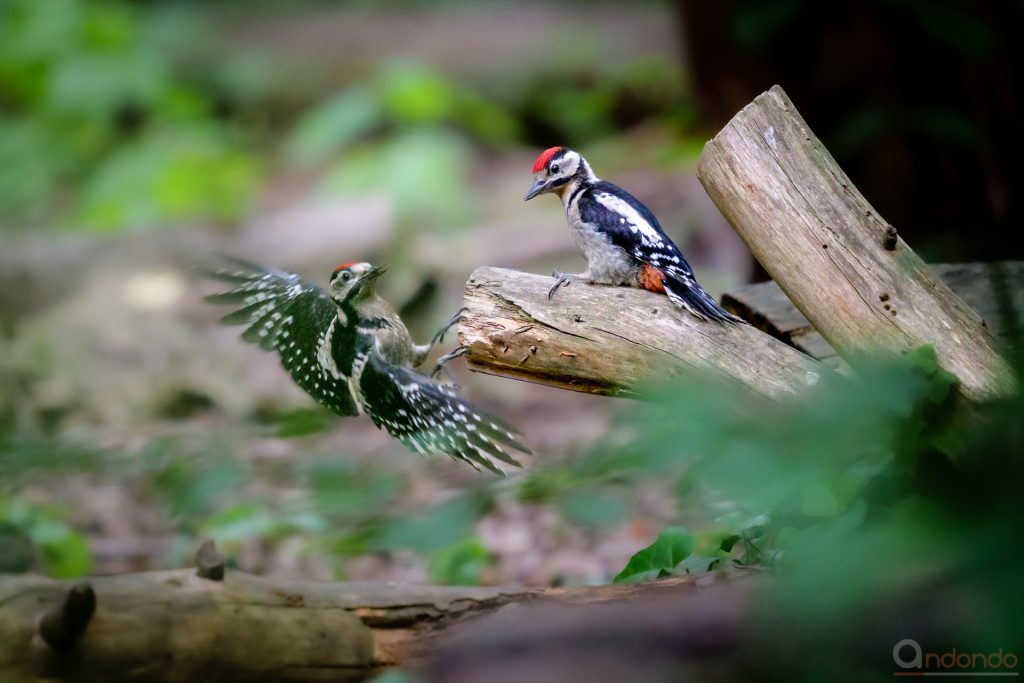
(688, 294)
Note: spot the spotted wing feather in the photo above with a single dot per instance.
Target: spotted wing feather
(298, 320)
(429, 417)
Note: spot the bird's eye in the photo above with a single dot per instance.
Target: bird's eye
(346, 276)
(554, 168)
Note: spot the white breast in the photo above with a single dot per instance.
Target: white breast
(606, 262)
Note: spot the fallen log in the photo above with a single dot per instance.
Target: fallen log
(838, 261)
(179, 626)
(614, 340)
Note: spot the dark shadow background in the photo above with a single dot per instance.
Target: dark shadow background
(919, 101)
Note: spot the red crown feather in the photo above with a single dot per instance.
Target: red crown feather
(545, 157)
(343, 266)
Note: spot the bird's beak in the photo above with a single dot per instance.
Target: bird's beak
(537, 188)
(373, 273)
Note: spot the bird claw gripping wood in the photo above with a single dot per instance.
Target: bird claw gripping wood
(561, 280)
(459, 316)
(442, 364)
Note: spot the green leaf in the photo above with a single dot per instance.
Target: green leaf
(66, 556)
(64, 551)
(696, 564)
(459, 564)
(728, 543)
(672, 546)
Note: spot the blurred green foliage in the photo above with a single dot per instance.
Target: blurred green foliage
(459, 564)
(400, 95)
(424, 172)
(117, 115)
(103, 126)
(878, 493)
(26, 530)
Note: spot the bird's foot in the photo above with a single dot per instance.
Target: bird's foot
(561, 280)
(443, 361)
(452, 321)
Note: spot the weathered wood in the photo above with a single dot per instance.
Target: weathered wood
(614, 340)
(766, 306)
(663, 634)
(178, 626)
(831, 252)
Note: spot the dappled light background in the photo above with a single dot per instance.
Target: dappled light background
(139, 140)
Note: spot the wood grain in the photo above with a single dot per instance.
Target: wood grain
(994, 290)
(170, 626)
(614, 340)
(826, 247)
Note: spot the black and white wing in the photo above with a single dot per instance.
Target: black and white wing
(296, 318)
(632, 227)
(429, 417)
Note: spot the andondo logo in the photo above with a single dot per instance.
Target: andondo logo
(913, 660)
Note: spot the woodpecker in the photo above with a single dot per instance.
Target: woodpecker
(619, 236)
(348, 349)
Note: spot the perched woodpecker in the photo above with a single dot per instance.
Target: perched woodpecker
(620, 237)
(350, 351)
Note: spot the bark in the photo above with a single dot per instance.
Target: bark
(838, 261)
(178, 626)
(994, 290)
(614, 340)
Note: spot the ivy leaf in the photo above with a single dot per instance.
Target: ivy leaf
(698, 564)
(660, 558)
(728, 543)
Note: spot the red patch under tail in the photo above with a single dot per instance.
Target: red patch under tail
(652, 279)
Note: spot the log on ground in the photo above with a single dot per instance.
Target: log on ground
(839, 262)
(614, 340)
(178, 626)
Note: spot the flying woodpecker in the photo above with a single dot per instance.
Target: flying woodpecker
(348, 349)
